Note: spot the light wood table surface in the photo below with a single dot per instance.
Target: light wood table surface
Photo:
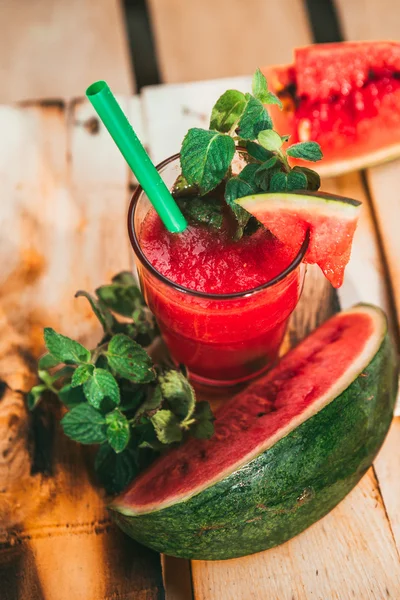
(64, 192)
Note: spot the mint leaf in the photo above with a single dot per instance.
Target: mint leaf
(124, 278)
(270, 140)
(248, 172)
(259, 85)
(35, 395)
(313, 179)
(254, 119)
(205, 158)
(115, 471)
(306, 151)
(265, 172)
(118, 432)
(258, 152)
(132, 395)
(278, 182)
(102, 384)
(81, 374)
(47, 361)
(296, 181)
(120, 298)
(84, 424)
(155, 445)
(129, 359)
(238, 188)
(166, 426)
(202, 210)
(70, 396)
(203, 427)
(102, 313)
(152, 402)
(179, 394)
(285, 138)
(64, 349)
(227, 111)
(182, 188)
(270, 98)
(260, 90)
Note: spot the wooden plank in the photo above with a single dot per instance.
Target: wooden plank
(187, 105)
(231, 37)
(383, 183)
(56, 48)
(366, 19)
(65, 191)
(337, 557)
(369, 20)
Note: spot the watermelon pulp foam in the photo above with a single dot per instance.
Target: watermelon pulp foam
(223, 340)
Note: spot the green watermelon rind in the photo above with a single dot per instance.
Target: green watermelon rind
(333, 166)
(324, 202)
(289, 486)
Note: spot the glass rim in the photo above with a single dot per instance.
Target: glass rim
(208, 296)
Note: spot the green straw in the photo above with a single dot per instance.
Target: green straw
(136, 156)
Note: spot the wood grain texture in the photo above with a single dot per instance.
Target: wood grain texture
(384, 184)
(65, 189)
(187, 105)
(369, 20)
(203, 39)
(56, 48)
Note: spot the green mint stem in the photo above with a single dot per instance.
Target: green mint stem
(98, 351)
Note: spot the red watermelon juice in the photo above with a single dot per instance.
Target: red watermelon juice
(222, 305)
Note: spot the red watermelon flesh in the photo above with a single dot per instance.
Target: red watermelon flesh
(331, 221)
(257, 418)
(344, 96)
(326, 70)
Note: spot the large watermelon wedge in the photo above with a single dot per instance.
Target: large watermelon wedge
(330, 219)
(284, 452)
(346, 97)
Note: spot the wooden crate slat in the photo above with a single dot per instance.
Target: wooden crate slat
(56, 48)
(63, 223)
(170, 110)
(204, 39)
(369, 20)
(383, 183)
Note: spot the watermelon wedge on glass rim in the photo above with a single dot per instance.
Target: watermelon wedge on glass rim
(346, 97)
(331, 221)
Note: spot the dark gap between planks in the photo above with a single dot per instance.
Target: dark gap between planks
(324, 21)
(141, 43)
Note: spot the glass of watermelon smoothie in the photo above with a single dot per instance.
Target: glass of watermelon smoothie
(222, 305)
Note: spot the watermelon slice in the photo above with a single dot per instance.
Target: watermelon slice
(284, 453)
(346, 97)
(330, 219)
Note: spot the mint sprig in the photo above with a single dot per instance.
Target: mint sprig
(240, 122)
(114, 394)
(206, 157)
